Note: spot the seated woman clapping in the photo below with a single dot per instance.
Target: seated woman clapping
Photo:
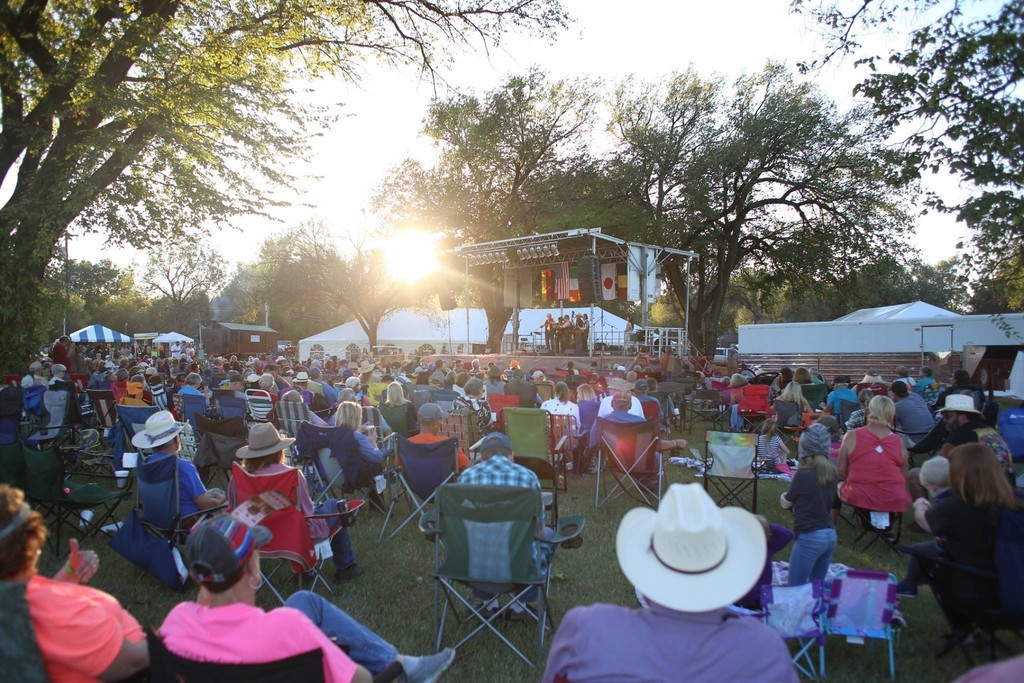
(83, 634)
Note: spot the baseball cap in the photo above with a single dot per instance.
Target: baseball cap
(429, 412)
(495, 441)
(217, 548)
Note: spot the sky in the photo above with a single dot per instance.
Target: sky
(381, 117)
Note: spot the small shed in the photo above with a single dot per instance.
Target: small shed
(225, 339)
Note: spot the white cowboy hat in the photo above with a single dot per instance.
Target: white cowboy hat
(960, 403)
(303, 376)
(264, 439)
(160, 428)
(366, 367)
(690, 555)
(872, 379)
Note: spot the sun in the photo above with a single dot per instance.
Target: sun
(411, 255)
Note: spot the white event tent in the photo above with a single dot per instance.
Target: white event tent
(407, 329)
(410, 329)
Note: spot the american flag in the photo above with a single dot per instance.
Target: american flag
(562, 281)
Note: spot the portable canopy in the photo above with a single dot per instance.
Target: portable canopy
(171, 337)
(97, 334)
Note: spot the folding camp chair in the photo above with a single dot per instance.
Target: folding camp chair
(729, 467)
(56, 403)
(19, 648)
(35, 411)
(422, 469)
(629, 452)
(397, 418)
(291, 414)
(131, 420)
(458, 425)
(160, 398)
(566, 442)
(260, 404)
(548, 477)
(706, 406)
(232, 406)
(64, 500)
(376, 391)
(218, 445)
(154, 531)
(529, 430)
(10, 414)
(167, 667)
(443, 397)
(861, 605)
(487, 538)
(498, 404)
(329, 457)
(967, 617)
(104, 409)
(754, 407)
(372, 416)
(419, 397)
(291, 543)
(815, 394)
(846, 409)
(874, 526)
(797, 613)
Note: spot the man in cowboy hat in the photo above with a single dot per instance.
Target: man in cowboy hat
(963, 423)
(160, 438)
(688, 560)
(619, 385)
(966, 424)
(523, 388)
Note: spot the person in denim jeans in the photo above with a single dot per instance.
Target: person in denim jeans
(810, 496)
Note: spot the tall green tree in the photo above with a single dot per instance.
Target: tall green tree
(956, 87)
(137, 118)
(506, 163)
(770, 175)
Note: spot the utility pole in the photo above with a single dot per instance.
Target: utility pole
(266, 315)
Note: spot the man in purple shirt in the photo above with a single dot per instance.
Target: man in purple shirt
(688, 561)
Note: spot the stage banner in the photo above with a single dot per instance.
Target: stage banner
(635, 265)
(547, 285)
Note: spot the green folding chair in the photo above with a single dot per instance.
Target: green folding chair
(529, 430)
(489, 538)
(64, 500)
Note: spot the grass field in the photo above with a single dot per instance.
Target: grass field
(395, 596)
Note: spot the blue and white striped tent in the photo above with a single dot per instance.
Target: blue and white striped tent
(98, 334)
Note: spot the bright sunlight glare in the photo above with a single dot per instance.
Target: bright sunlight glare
(412, 255)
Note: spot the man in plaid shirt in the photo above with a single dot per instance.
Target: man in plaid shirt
(497, 469)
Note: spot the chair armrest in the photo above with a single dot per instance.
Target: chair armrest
(429, 525)
(565, 443)
(568, 532)
(347, 517)
(966, 568)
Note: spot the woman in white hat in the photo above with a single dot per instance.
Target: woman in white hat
(265, 454)
(689, 560)
(160, 438)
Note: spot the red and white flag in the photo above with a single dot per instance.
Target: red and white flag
(608, 281)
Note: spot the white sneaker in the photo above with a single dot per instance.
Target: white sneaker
(429, 668)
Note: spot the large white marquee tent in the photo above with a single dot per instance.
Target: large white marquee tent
(410, 329)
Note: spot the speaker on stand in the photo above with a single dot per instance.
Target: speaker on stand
(589, 267)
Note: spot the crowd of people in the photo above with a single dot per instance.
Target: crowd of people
(689, 560)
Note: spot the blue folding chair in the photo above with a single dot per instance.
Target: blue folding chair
(797, 612)
(131, 420)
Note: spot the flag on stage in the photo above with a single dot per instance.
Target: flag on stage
(547, 285)
(562, 281)
(607, 281)
(574, 284)
(621, 281)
